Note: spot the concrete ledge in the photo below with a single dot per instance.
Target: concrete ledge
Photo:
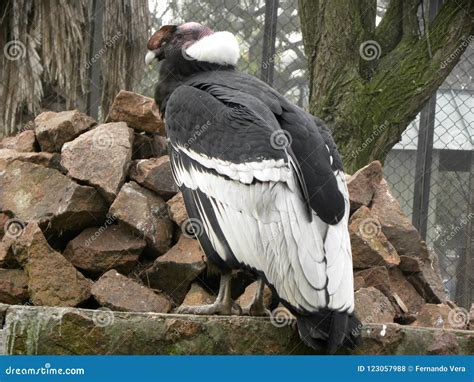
(48, 330)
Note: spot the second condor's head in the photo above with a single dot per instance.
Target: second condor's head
(192, 42)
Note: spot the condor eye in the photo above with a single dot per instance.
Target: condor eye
(163, 44)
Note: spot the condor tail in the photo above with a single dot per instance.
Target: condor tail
(336, 329)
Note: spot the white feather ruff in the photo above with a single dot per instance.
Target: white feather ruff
(218, 48)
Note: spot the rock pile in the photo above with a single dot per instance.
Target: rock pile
(90, 217)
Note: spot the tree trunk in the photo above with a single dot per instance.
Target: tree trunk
(369, 82)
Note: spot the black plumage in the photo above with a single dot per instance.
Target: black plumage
(262, 176)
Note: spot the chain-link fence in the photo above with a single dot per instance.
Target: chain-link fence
(450, 209)
(450, 177)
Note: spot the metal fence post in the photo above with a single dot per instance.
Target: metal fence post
(269, 39)
(424, 154)
(96, 43)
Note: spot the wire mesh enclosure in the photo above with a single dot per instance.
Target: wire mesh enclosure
(450, 185)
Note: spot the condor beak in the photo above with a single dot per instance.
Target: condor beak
(150, 56)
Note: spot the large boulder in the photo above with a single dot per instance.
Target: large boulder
(394, 223)
(146, 213)
(370, 247)
(174, 272)
(100, 157)
(52, 280)
(23, 142)
(13, 286)
(405, 290)
(33, 193)
(407, 242)
(55, 129)
(440, 316)
(99, 249)
(139, 112)
(372, 306)
(362, 185)
(155, 174)
(118, 292)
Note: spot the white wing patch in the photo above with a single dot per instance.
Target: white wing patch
(268, 170)
(266, 227)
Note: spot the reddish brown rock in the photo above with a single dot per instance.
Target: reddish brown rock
(24, 142)
(444, 343)
(33, 193)
(146, 213)
(52, 280)
(405, 291)
(370, 247)
(362, 185)
(440, 316)
(139, 112)
(376, 277)
(428, 282)
(43, 159)
(410, 264)
(246, 298)
(177, 210)
(372, 306)
(155, 174)
(197, 295)
(13, 286)
(146, 146)
(118, 292)
(407, 242)
(394, 223)
(55, 129)
(100, 157)
(174, 272)
(99, 249)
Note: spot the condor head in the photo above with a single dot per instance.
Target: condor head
(194, 42)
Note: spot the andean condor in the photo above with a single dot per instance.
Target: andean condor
(264, 179)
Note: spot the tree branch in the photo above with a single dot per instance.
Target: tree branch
(389, 31)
